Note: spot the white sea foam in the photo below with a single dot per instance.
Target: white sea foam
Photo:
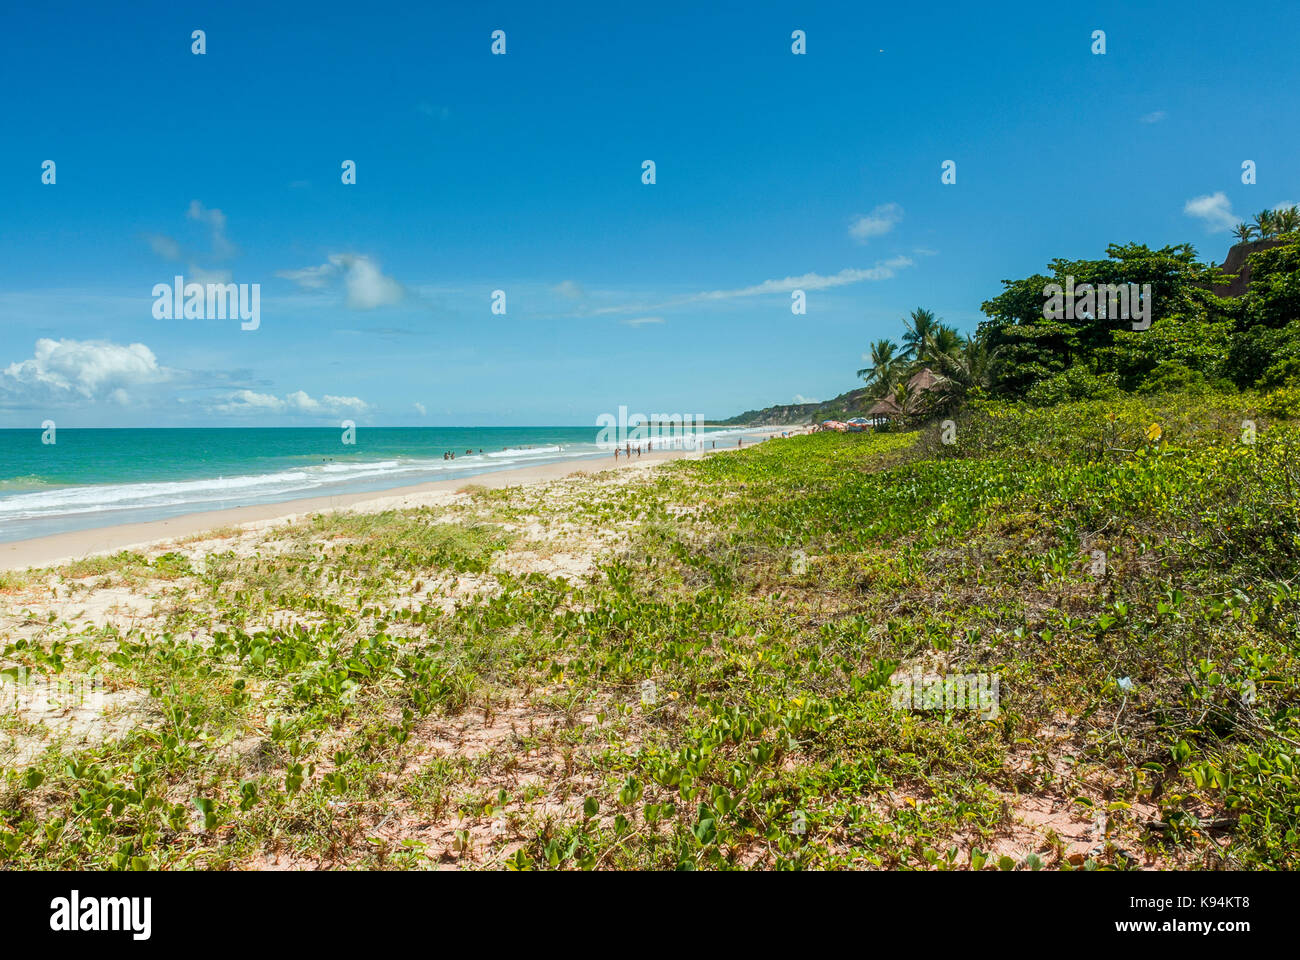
(526, 452)
(254, 488)
(35, 510)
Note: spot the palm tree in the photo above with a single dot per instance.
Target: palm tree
(1264, 221)
(1287, 219)
(906, 398)
(1244, 232)
(967, 369)
(943, 342)
(885, 369)
(921, 326)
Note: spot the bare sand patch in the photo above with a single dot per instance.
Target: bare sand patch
(68, 712)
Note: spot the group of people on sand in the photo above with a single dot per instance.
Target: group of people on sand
(627, 449)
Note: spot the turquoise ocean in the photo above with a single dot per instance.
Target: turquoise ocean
(97, 478)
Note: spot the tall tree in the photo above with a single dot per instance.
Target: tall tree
(1244, 232)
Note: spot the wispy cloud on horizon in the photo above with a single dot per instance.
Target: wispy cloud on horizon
(249, 402)
(881, 270)
(81, 374)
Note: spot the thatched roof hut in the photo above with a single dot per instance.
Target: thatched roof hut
(885, 408)
(923, 380)
(922, 387)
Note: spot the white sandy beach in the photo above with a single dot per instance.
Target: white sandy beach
(79, 544)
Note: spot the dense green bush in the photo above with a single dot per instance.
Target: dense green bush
(1196, 338)
(1076, 383)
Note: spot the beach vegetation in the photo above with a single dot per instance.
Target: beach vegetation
(716, 693)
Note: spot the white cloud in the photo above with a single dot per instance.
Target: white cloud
(61, 372)
(1215, 209)
(639, 321)
(88, 373)
(248, 400)
(216, 220)
(1154, 117)
(311, 278)
(420, 409)
(366, 285)
(197, 274)
(569, 289)
(800, 398)
(165, 246)
(877, 223)
(242, 402)
(882, 270)
(221, 248)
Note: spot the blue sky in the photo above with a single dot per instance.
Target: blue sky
(523, 173)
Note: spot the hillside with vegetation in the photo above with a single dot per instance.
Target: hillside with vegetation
(851, 403)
